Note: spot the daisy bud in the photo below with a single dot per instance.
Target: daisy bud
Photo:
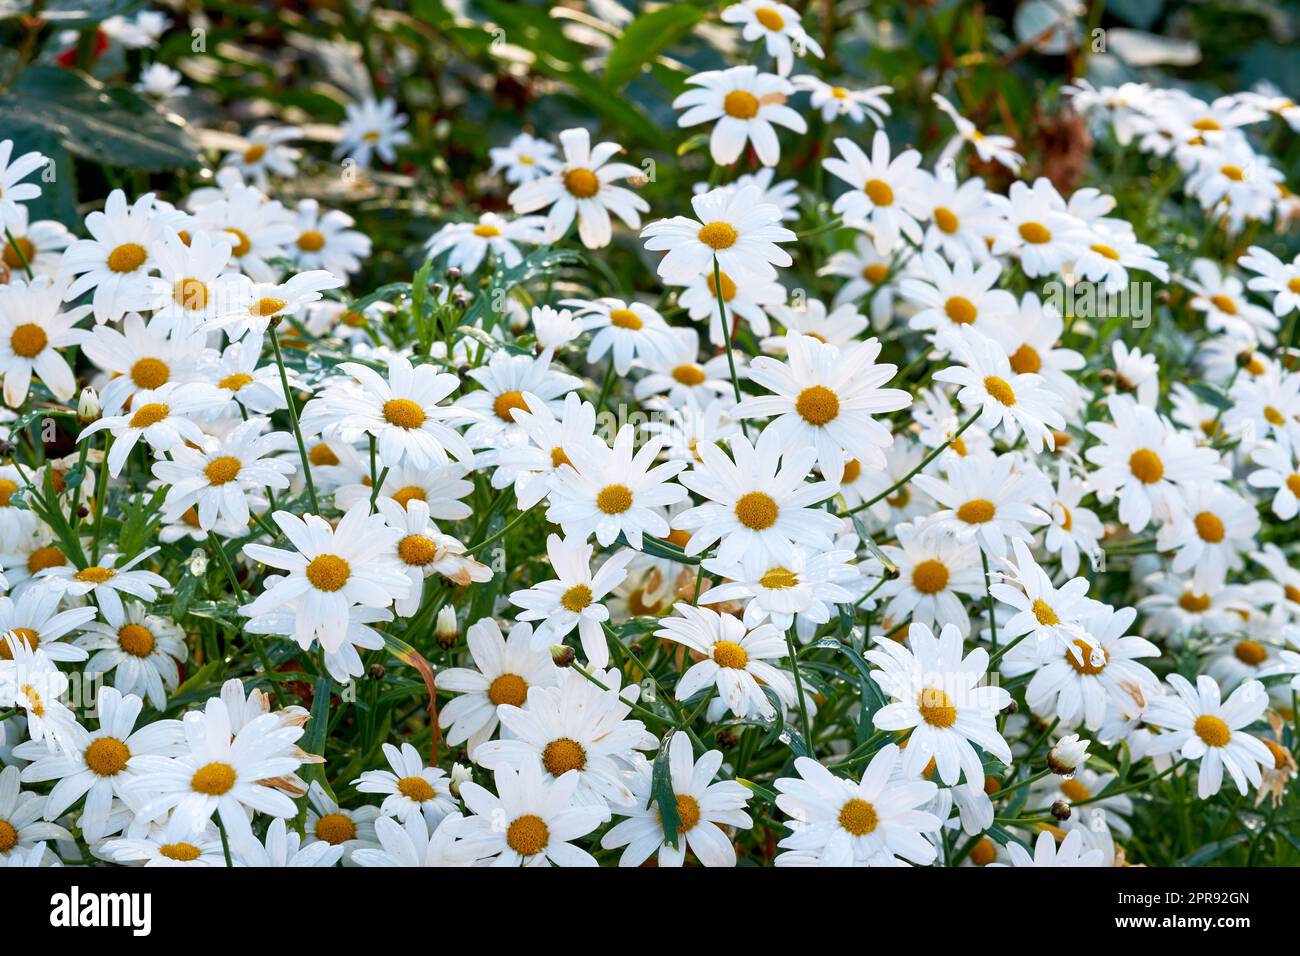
(376, 672)
(1066, 755)
(445, 628)
(88, 407)
(1106, 375)
(453, 275)
(562, 655)
(1245, 358)
(459, 774)
(1061, 810)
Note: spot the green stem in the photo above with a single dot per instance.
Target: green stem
(798, 690)
(293, 420)
(892, 489)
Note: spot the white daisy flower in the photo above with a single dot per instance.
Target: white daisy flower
(986, 498)
(161, 417)
(835, 101)
(888, 196)
(1071, 851)
(506, 379)
(32, 327)
(326, 240)
(583, 187)
(410, 788)
(470, 242)
(504, 670)
(778, 26)
(12, 190)
(624, 330)
(160, 82)
(193, 287)
(1073, 528)
(1222, 298)
(526, 158)
(1036, 226)
(949, 299)
(989, 148)
(1209, 532)
(140, 655)
(960, 217)
(40, 244)
(141, 357)
(35, 619)
(267, 154)
(807, 588)
(677, 371)
(752, 300)
(1279, 469)
(332, 824)
(735, 660)
(1049, 614)
(1275, 277)
(178, 842)
(934, 571)
(283, 847)
(744, 104)
(115, 262)
(530, 466)
(103, 582)
(411, 844)
(372, 128)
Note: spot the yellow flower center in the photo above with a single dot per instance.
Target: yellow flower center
(10, 254)
(1044, 614)
(689, 374)
(136, 640)
(1293, 484)
(718, 235)
(558, 457)
(28, 340)
(614, 499)
(1074, 791)
(416, 788)
(1209, 526)
(403, 413)
(107, 756)
(242, 242)
(1273, 416)
(528, 835)
(486, 231)
(1250, 652)
(563, 755)
(191, 294)
(930, 576)
(127, 257)
(769, 18)
(254, 153)
(335, 828)
(818, 405)
(404, 496)
(852, 469)
(322, 455)
(778, 579)
(417, 550)
(312, 240)
(858, 817)
(181, 852)
(267, 306)
(7, 488)
(150, 414)
(233, 383)
(1035, 233)
(879, 192)
(220, 471)
(730, 654)
(757, 510)
(25, 635)
(936, 707)
(150, 373)
(1224, 304)
(728, 286)
(1000, 389)
(1087, 662)
(984, 852)
(688, 812)
(1146, 466)
(946, 220)
(1105, 251)
(875, 273)
(576, 598)
(1235, 173)
(960, 310)
(1212, 730)
(214, 779)
(625, 319)
(328, 572)
(581, 183)
(508, 689)
(46, 557)
(977, 511)
(506, 402)
(95, 574)
(740, 104)
(1026, 360)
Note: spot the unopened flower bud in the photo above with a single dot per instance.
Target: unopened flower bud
(1245, 358)
(88, 407)
(1066, 755)
(376, 671)
(562, 655)
(453, 275)
(459, 774)
(445, 628)
(1061, 810)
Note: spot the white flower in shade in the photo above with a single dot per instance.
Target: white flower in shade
(574, 598)
(625, 330)
(1222, 299)
(326, 240)
(1146, 463)
(876, 821)
(734, 229)
(97, 765)
(107, 581)
(685, 428)
(583, 187)
(759, 505)
(744, 104)
(20, 818)
(504, 670)
(1067, 754)
(1019, 402)
(34, 856)
(678, 371)
(237, 373)
(554, 328)
(525, 159)
(12, 190)
(411, 844)
(140, 655)
(223, 769)
(987, 498)
(888, 196)
(409, 788)
(611, 491)
(35, 619)
(1273, 277)
(989, 148)
(1200, 726)
(1073, 528)
(751, 300)
(1209, 533)
(439, 489)
(1265, 406)
(402, 413)
(140, 357)
(470, 242)
(1279, 468)
(162, 417)
(260, 230)
(264, 302)
(1036, 226)
(267, 153)
(283, 847)
(1071, 851)
(350, 829)
(934, 571)
(216, 477)
(942, 698)
(423, 550)
(808, 588)
(1109, 256)
(777, 25)
(949, 299)
(176, 843)
(1030, 335)
(871, 275)
(40, 243)
(329, 570)
(530, 465)
(161, 82)
(576, 727)
(959, 217)
(1050, 614)
(32, 328)
(1080, 682)
(1136, 373)
(735, 660)
(506, 379)
(372, 128)
(827, 398)
(115, 262)
(703, 809)
(30, 682)
(530, 823)
(835, 101)
(344, 662)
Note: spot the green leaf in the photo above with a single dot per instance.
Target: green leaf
(58, 181)
(113, 126)
(645, 38)
(661, 791)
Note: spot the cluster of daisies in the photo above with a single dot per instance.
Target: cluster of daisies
(802, 608)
